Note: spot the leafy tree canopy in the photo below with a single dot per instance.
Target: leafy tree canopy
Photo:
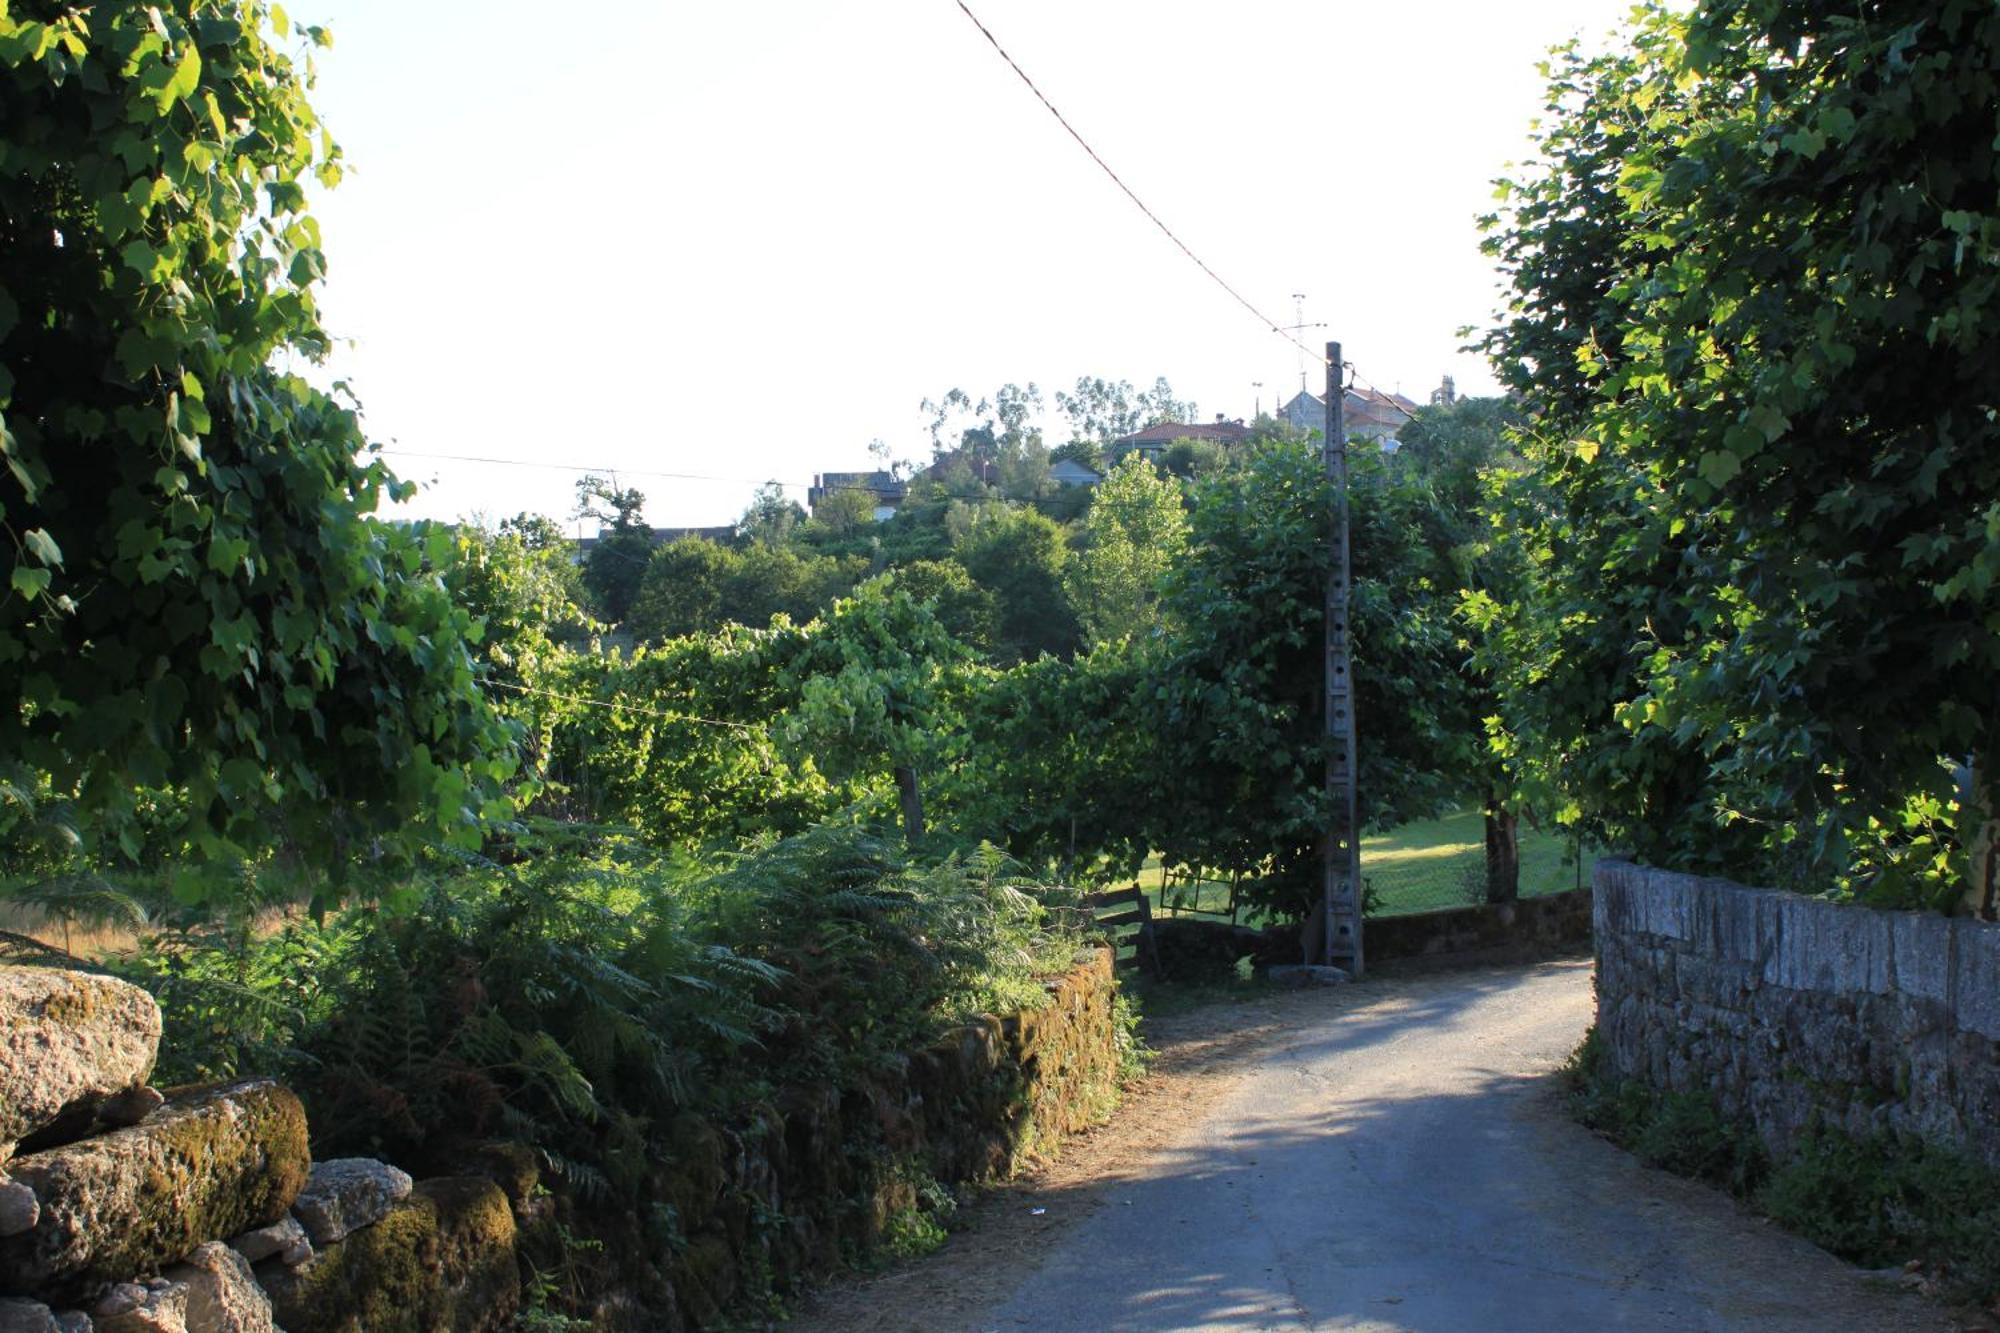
(1756, 276)
(1135, 532)
(197, 600)
(617, 560)
(1018, 555)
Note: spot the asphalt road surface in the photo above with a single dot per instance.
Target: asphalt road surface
(1399, 1161)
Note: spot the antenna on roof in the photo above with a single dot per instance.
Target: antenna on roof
(1299, 326)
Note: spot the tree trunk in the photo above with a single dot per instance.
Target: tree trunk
(1503, 853)
(912, 799)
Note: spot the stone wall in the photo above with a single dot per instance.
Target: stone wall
(1195, 950)
(125, 1209)
(1795, 1011)
(823, 1175)
(1525, 928)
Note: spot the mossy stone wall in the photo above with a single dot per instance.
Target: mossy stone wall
(820, 1176)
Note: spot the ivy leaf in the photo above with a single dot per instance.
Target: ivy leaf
(30, 582)
(43, 546)
(1719, 467)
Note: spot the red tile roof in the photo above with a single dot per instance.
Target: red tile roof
(1229, 432)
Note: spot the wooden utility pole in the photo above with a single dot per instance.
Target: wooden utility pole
(1342, 905)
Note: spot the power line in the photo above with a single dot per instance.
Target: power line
(1084, 144)
(899, 491)
(1283, 331)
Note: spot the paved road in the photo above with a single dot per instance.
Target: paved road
(1399, 1163)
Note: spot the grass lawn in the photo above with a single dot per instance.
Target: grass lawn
(1422, 867)
(1442, 863)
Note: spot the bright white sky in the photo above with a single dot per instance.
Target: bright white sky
(743, 240)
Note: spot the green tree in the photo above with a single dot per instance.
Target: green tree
(968, 612)
(695, 586)
(1755, 292)
(1194, 458)
(683, 591)
(198, 601)
(677, 740)
(1236, 705)
(524, 588)
(766, 581)
(1100, 411)
(877, 681)
(617, 561)
(1452, 460)
(772, 517)
(842, 513)
(1062, 766)
(1018, 555)
(1135, 532)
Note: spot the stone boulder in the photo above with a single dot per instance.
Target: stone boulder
(19, 1208)
(223, 1295)
(441, 1261)
(347, 1194)
(157, 1307)
(68, 1041)
(214, 1161)
(285, 1239)
(19, 1316)
(24, 1316)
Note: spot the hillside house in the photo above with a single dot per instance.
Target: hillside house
(887, 491)
(1069, 472)
(1153, 442)
(1368, 414)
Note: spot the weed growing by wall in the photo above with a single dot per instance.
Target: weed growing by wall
(1878, 1202)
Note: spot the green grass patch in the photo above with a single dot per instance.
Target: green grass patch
(1423, 866)
(1439, 863)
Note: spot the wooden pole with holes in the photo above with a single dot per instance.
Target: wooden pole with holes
(1342, 906)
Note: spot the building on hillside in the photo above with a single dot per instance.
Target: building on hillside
(661, 536)
(1154, 441)
(1069, 472)
(883, 487)
(1368, 414)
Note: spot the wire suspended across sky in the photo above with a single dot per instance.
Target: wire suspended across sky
(1168, 232)
(896, 490)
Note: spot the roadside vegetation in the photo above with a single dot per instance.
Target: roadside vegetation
(1927, 1214)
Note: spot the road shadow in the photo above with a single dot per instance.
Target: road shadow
(1404, 1162)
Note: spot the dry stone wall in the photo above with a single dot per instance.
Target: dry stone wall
(127, 1209)
(823, 1174)
(1796, 1012)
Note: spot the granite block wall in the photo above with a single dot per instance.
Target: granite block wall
(1795, 1011)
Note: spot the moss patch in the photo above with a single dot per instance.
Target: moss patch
(212, 1162)
(442, 1260)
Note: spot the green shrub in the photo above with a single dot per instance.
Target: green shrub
(1877, 1202)
(1682, 1132)
(1886, 1201)
(1688, 1135)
